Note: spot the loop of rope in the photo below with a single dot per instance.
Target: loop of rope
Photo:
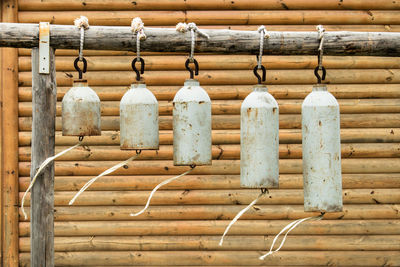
(82, 23)
(183, 27)
(108, 171)
(137, 27)
(41, 167)
(289, 228)
(321, 38)
(263, 192)
(158, 186)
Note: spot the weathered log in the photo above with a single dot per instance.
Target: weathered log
(38, 5)
(218, 62)
(218, 17)
(161, 167)
(217, 227)
(221, 122)
(226, 77)
(218, 197)
(239, 243)
(286, 151)
(229, 92)
(206, 182)
(221, 41)
(245, 258)
(232, 107)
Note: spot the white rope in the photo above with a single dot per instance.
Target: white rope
(183, 27)
(261, 30)
(82, 23)
(238, 216)
(41, 167)
(156, 188)
(288, 227)
(108, 171)
(137, 27)
(321, 38)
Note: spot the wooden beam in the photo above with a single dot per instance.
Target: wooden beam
(43, 142)
(9, 157)
(221, 41)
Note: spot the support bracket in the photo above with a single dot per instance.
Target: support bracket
(44, 47)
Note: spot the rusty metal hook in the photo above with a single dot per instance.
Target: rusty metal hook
(320, 79)
(79, 70)
(264, 74)
(141, 67)
(196, 67)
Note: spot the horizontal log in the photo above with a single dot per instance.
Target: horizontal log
(38, 5)
(171, 258)
(214, 182)
(232, 92)
(224, 77)
(206, 227)
(216, 197)
(161, 167)
(239, 243)
(286, 151)
(219, 137)
(219, 62)
(232, 107)
(218, 212)
(225, 122)
(217, 17)
(220, 41)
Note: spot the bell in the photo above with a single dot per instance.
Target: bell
(322, 174)
(139, 119)
(81, 115)
(259, 140)
(192, 125)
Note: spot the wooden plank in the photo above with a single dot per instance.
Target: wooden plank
(238, 243)
(220, 41)
(43, 142)
(217, 227)
(38, 5)
(9, 157)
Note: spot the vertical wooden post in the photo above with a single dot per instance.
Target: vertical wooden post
(44, 101)
(9, 141)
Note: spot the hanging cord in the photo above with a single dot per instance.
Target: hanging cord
(183, 27)
(160, 185)
(137, 27)
(41, 167)
(259, 66)
(289, 228)
(320, 67)
(263, 192)
(108, 171)
(83, 24)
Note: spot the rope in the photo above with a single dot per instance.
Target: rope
(108, 171)
(321, 38)
(288, 227)
(156, 188)
(41, 167)
(239, 215)
(82, 23)
(183, 27)
(261, 30)
(137, 27)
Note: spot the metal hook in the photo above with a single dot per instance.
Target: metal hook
(138, 151)
(79, 70)
(136, 70)
(81, 138)
(264, 74)
(193, 166)
(196, 67)
(320, 79)
(264, 190)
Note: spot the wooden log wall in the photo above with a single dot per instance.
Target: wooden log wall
(187, 217)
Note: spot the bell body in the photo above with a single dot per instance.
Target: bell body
(81, 115)
(192, 125)
(139, 119)
(322, 172)
(259, 140)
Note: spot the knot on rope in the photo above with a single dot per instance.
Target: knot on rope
(82, 22)
(183, 27)
(137, 27)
